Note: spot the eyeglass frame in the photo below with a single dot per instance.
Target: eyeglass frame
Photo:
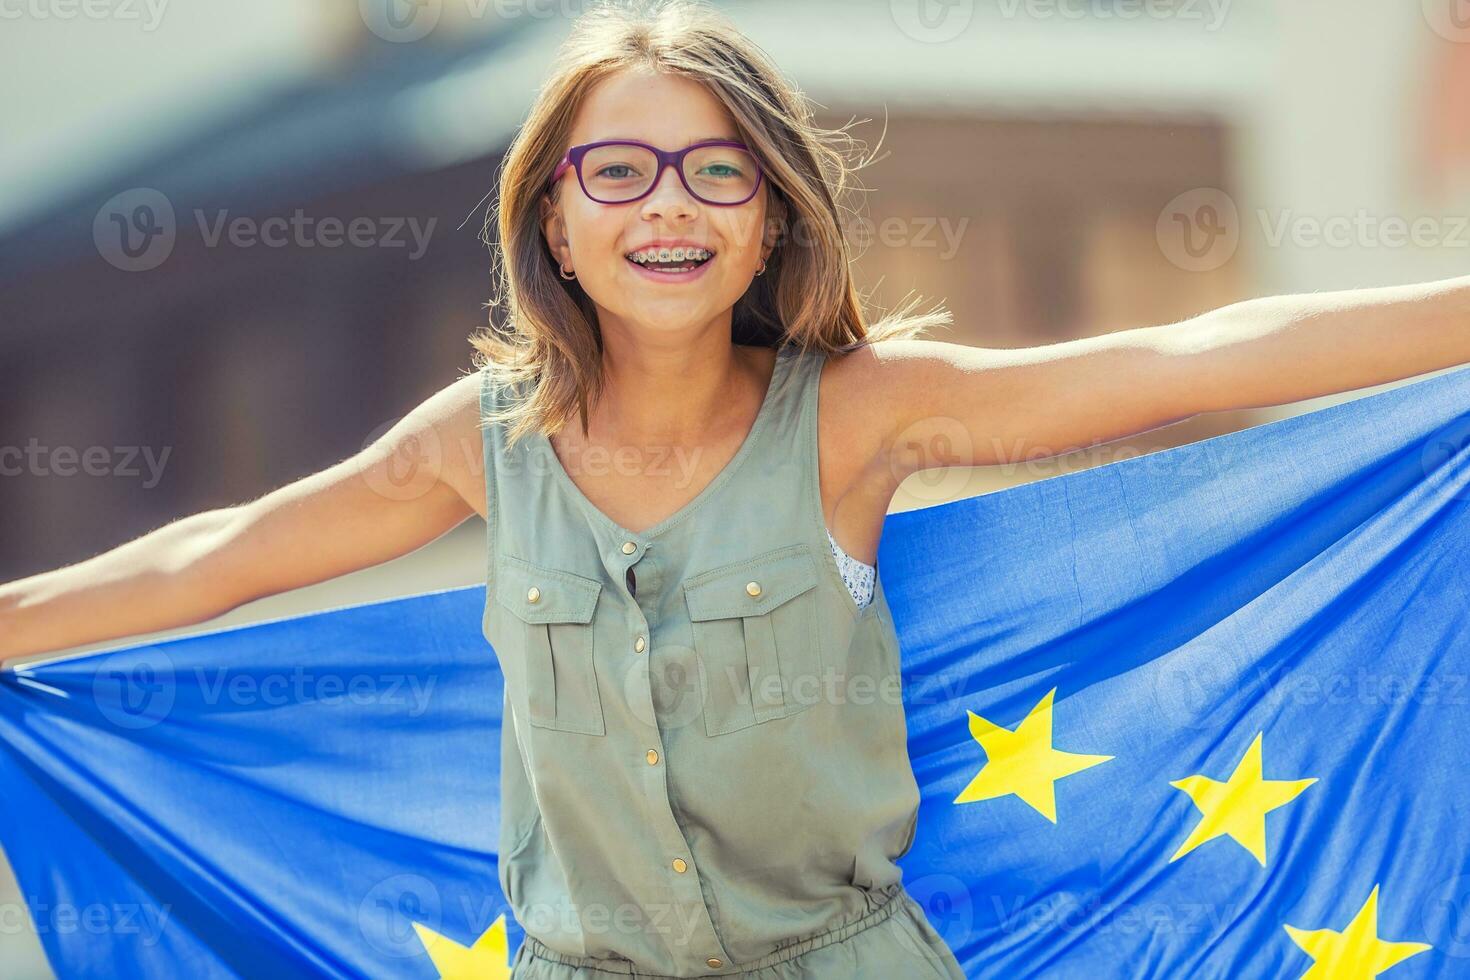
(666, 158)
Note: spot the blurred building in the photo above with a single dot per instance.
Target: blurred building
(1026, 160)
(1048, 170)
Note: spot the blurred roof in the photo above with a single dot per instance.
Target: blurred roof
(392, 109)
(355, 123)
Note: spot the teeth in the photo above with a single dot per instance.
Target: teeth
(678, 254)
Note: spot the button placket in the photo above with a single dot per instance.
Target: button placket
(683, 880)
(635, 553)
(630, 553)
(683, 868)
(680, 863)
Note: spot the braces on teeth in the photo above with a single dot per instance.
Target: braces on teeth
(670, 255)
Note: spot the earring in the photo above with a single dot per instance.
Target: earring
(563, 272)
(762, 270)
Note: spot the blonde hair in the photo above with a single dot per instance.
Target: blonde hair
(549, 340)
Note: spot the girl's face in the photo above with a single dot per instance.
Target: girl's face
(593, 240)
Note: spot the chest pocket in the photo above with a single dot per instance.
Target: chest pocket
(550, 633)
(756, 639)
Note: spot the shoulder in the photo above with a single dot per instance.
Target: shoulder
(855, 417)
(886, 362)
(861, 387)
(894, 382)
(883, 400)
(445, 432)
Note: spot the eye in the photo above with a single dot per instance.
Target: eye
(729, 170)
(615, 166)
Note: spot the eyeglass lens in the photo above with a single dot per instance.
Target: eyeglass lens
(622, 171)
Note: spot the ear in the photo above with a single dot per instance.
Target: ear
(554, 229)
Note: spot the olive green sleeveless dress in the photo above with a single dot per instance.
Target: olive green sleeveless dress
(704, 766)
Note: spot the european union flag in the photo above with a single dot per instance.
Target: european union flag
(1199, 713)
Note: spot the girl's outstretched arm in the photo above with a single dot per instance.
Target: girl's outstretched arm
(422, 478)
(940, 404)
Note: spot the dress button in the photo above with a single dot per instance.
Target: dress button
(629, 547)
(752, 588)
(680, 866)
(534, 595)
(639, 644)
(715, 961)
(652, 757)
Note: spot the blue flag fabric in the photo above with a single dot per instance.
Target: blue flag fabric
(1198, 713)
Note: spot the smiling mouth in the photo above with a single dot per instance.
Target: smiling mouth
(671, 266)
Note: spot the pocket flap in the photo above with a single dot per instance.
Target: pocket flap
(779, 576)
(561, 597)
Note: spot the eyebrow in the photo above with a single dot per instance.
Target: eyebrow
(697, 139)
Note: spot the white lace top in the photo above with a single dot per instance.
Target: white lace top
(858, 575)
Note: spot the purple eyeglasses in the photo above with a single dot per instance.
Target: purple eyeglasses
(723, 173)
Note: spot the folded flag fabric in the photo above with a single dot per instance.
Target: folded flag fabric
(1198, 713)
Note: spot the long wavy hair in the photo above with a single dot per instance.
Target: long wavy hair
(547, 344)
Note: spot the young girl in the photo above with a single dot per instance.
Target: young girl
(704, 766)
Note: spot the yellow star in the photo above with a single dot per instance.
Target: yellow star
(1356, 953)
(1239, 805)
(488, 959)
(1022, 761)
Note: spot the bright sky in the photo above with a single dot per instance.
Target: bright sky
(86, 78)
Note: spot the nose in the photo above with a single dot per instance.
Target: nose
(669, 198)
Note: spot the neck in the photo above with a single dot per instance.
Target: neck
(674, 396)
